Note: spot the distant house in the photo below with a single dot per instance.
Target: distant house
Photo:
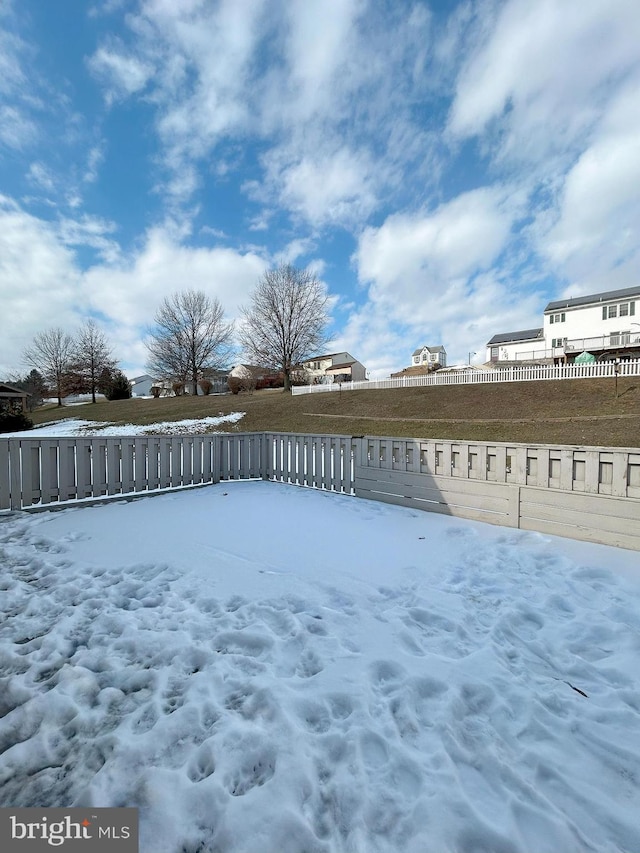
(334, 367)
(526, 345)
(12, 396)
(141, 385)
(429, 356)
(605, 324)
(218, 378)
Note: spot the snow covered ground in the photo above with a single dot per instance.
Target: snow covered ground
(262, 668)
(78, 426)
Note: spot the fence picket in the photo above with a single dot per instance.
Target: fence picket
(5, 491)
(463, 478)
(15, 484)
(526, 373)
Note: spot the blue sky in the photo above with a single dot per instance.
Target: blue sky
(444, 168)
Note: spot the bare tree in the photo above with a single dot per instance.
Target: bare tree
(190, 335)
(286, 320)
(92, 355)
(51, 353)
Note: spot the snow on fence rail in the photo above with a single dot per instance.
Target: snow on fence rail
(528, 373)
(590, 493)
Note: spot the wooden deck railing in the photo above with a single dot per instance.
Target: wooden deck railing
(590, 493)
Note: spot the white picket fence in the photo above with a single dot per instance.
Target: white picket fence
(527, 373)
(590, 493)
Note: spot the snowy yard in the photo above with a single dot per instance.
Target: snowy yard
(267, 669)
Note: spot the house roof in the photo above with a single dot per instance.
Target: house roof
(511, 337)
(342, 364)
(323, 357)
(7, 390)
(607, 296)
(439, 348)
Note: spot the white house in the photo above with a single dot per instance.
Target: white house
(428, 356)
(334, 367)
(526, 345)
(605, 324)
(602, 323)
(141, 385)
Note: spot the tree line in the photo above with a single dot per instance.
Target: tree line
(284, 323)
(63, 364)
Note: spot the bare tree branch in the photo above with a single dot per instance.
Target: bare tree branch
(92, 355)
(286, 320)
(190, 335)
(51, 352)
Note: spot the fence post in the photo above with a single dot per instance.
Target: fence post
(5, 491)
(15, 485)
(514, 506)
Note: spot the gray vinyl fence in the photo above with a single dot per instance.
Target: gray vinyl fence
(590, 493)
(526, 373)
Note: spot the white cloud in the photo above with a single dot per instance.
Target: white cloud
(337, 111)
(544, 72)
(39, 282)
(42, 284)
(333, 187)
(41, 176)
(214, 232)
(131, 291)
(294, 250)
(313, 81)
(430, 281)
(94, 161)
(596, 238)
(90, 231)
(204, 58)
(122, 75)
(429, 251)
(320, 43)
(12, 48)
(128, 293)
(16, 128)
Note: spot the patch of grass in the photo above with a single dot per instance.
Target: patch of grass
(582, 411)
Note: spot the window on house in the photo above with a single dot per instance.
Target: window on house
(495, 352)
(557, 318)
(614, 339)
(624, 309)
(424, 356)
(416, 359)
(613, 311)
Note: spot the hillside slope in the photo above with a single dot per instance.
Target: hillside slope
(584, 411)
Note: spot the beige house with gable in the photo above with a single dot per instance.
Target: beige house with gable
(334, 367)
